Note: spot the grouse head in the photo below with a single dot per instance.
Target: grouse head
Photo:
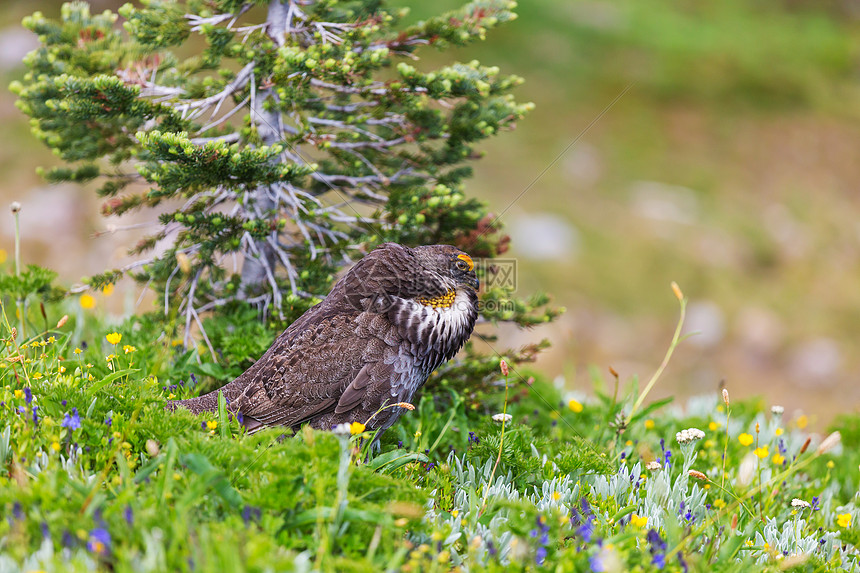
(429, 275)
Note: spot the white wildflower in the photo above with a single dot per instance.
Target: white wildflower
(777, 410)
(341, 429)
(799, 503)
(502, 418)
(689, 435)
(653, 466)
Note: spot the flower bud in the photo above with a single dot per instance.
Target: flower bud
(698, 475)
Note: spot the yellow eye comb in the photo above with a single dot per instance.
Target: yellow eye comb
(468, 260)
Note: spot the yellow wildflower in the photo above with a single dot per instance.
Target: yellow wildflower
(843, 520)
(779, 432)
(356, 428)
(574, 406)
(637, 521)
(56, 446)
(719, 503)
(129, 349)
(114, 337)
(37, 375)
(714, 426)
(87, 301)
(649, 424)
(78, 350)
(108, 290)
(19, 393)
(746, 439)
(211, 424)
(51, 340)
(556, 496)
(761, 452)
(778, 459)
(455, 512)
(802, 422)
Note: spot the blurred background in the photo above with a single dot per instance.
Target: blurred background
(731, 165)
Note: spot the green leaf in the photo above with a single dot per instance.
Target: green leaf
(213, 477)
(211, 369)
(390, 461)
(108, 379)
(650, 408)
(223, 420)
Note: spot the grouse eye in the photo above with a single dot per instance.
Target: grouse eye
(464, 262)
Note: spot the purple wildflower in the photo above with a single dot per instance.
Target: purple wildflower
(68, 539)
(251, 513)
(129, 515)
(28, 394)
(99, 541)
(596, 563)
(540, 556)
(586, 530)
(72, 422)
(35, 416)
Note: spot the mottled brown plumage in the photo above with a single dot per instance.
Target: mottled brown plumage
(386, 325)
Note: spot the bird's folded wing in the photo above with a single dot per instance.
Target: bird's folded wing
(327, 367)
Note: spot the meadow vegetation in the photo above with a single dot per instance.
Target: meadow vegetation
(516, 474)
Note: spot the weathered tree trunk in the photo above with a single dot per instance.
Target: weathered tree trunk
(261, 260)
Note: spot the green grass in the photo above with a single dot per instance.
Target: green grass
(101, 477)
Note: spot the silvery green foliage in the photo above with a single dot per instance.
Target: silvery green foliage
(473, 489)
(43, 559)
(790, 540)
(70, 464)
